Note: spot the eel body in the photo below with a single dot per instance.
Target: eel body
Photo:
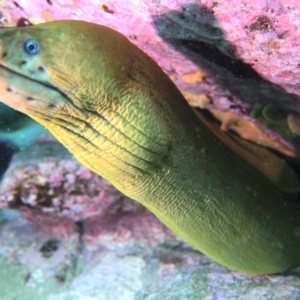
(122, 117)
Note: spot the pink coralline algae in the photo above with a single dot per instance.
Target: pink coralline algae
(234, 59)
(52, 190)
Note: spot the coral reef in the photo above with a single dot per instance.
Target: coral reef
(55, 192)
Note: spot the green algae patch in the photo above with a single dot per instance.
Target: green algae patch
(13, 284)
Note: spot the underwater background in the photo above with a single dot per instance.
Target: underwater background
(66, 233)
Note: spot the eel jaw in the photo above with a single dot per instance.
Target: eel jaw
(32, 97)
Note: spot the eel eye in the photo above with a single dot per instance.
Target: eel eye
(31, 46)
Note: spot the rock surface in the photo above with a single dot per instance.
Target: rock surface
(153, 266)
(105, 247)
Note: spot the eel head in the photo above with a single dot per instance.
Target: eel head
(84, 83)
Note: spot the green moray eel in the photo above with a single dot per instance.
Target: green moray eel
(122, 117)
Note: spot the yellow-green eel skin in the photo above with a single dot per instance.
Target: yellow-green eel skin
(122, 117)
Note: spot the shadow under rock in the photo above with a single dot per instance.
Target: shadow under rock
(191, 32)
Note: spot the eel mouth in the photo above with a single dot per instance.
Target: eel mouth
(27, 94)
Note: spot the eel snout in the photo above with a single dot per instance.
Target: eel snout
(24, 82)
